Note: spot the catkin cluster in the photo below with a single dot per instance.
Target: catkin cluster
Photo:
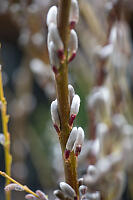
(54, 42)
(57, 56)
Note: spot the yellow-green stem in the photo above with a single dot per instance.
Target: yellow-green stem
(5, 117)
(70, 166)
(25, 188)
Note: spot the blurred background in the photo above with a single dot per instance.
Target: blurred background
(30, 87)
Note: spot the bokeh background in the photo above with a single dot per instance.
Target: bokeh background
(30, 87)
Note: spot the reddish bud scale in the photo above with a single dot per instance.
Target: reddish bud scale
(30, 197)
(72, 25)
(83, 191)
(66, 154)
(78, 150)
(61, 55)
(72, 118)
(55, 70)
(41, 195)
(57, 128)
(72, 57)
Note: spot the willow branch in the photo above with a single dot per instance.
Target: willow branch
(70, 165)
(25, 188)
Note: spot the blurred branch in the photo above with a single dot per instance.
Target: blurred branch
(5, 118)
(92, 21)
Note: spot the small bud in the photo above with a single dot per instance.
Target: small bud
(101, 130)
(83, 189)
(116, 160)
(93, 196)
(49, 40)
(55, 70)
(67, 153)
(54, 60)
(41, 195)
(127, 130)
(70, 142)
(118, 121)
(113, 34)
(74, 108)
(75, 105)
(79, 141)
(103, 166)
(80, 181)
(30, 197)
(72, 138)
(72, 118)
(72, 57)
(100, 101)
(68, 190)
(71, 93)
(37, 39)
(2, 139)
(55, 115)
(55, 38)
(102, 133)
(77, 150)
(13, 186)
(90, 180)
(52, 15)
(73, 45)
(61, 55)
(99, 97)
(74, 14)
(91, 170)
(59, 194)
(37, 66)
(120, 38)
(105, 52)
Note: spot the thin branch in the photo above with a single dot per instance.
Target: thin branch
(70, 166)
(5, 118)
(22, 186)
